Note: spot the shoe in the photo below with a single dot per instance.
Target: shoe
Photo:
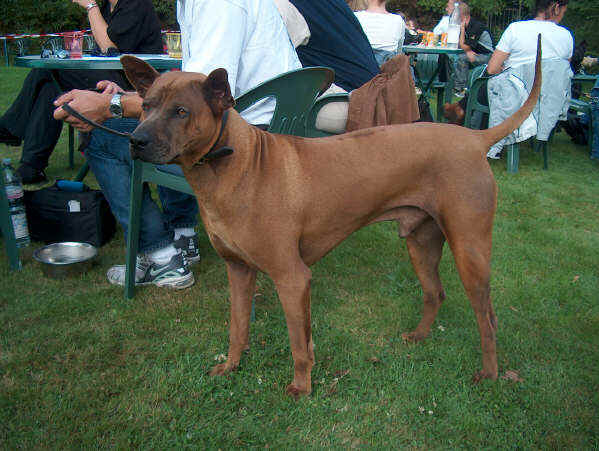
(189, 248)
(8, 138)
(417, 91)
(174, 274)
(30, 175)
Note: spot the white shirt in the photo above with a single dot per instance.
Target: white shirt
(520, 41)
(442, 26)
(246, 37)
(384, 31)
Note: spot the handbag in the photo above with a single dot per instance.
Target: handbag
(69, 211)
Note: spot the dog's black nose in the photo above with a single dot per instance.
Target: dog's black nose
(139, 141)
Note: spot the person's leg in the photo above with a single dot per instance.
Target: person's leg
(180, 212)
(461, 70)
(42, 131)
(16, 118)
(110, 161)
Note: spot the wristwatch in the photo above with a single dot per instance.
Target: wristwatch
(116, 109)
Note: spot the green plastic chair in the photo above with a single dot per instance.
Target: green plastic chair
(583, 107)
(7, 230)
(294, 91)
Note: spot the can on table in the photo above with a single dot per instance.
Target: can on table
(443, 42)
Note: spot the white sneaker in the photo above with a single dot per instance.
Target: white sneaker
(174, 274)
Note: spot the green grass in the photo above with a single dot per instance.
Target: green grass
(81, 367)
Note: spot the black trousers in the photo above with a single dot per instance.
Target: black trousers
(30, 115)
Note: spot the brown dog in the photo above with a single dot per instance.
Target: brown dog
(280, 203)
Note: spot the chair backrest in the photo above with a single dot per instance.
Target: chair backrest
(294, 92)
(477, 99)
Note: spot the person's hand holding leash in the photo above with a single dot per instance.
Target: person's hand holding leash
(109, 87)
(92, 105)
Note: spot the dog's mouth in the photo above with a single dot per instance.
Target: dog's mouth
(150, 153)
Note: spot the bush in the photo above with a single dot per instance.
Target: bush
(45, 16)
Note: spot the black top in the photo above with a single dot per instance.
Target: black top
(337, 41)
(133, 26)
(473, 32)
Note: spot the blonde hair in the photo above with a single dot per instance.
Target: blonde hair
(357, 5)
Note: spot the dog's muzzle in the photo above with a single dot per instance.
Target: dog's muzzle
(139, 143)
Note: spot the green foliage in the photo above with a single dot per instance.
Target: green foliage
(39, 16)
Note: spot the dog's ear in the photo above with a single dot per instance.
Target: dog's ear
(140, 74)
(217, 91)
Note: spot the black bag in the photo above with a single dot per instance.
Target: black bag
(69, 211)
(576, 128)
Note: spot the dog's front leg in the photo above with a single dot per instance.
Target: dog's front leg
(293, 288)
(242, 281)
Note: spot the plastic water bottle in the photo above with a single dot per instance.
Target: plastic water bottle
(16, 204)
(453, 31)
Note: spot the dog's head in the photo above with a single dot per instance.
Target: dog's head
(181, 112)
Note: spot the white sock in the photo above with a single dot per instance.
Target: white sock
(185, 231)
(164, 255)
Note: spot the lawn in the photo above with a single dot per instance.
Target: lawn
(81, 367)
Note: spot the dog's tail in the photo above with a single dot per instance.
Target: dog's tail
(493, 135)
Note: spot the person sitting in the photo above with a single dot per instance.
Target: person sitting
(248, 39)
(385, 31)
(131, 26)
(412, 37)
(477, 44)
(516, 53)
(336, 41)
(443, 24)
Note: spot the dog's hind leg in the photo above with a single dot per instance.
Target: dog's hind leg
(242, 281)
(425, 246)
(472, 252)
(293, 288)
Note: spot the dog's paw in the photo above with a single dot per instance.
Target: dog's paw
(481, 375)
(296, 392)
(222, 369)
(413, 337)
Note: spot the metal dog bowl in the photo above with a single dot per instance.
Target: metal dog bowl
(65, 259)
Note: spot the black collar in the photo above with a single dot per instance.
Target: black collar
(215, 153)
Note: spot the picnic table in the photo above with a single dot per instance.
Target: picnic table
(436, 75)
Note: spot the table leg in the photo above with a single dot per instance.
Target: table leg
(444, 76)
(6, 52)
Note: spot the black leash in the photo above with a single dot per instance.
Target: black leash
(212, 154)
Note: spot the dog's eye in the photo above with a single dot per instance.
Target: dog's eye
(182, 112)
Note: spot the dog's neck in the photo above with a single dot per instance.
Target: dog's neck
(246, 142)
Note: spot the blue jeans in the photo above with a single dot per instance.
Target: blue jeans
(595, 119)
(110, 161)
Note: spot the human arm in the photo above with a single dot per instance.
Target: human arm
(95, 106)
(502, 51)
(470, 54)
(98, 25)
(496, 62)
